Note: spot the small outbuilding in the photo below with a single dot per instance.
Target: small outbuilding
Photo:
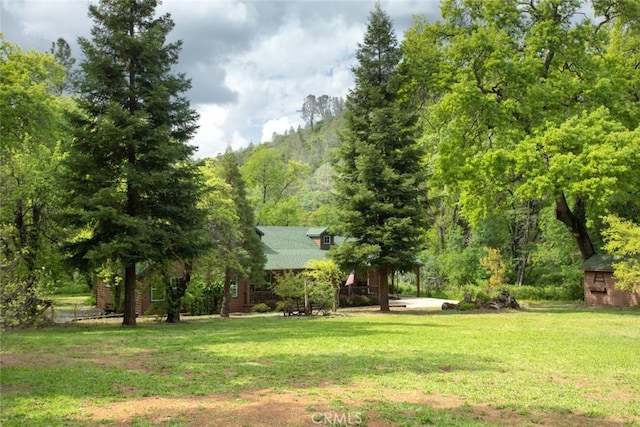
(599, 284)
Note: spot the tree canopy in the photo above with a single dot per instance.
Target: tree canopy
(32, 143)
(380, 181)
(131, 185)
(531, 103)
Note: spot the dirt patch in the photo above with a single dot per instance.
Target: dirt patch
(306, 408)
(258, 408)
(101, 357)
(561, 380)
(30, 359)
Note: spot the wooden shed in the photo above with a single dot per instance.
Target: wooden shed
(599, 284)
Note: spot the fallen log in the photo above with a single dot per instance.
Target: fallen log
(450, 306)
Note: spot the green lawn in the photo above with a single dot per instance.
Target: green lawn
(545, 365)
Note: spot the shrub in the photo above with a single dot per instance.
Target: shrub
(494, 263)
(260, 308)
(204, 298)
(91, 301)
(272, 304)
(289, 286)
(464, 306)
(157, 309)
(405, 290)
(358, 301)
(566, 292)
(322, 294)
(77, 287)
(282, 305)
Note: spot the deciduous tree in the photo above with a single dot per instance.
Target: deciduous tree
(248, 253)
(325, 274)
(272, 183)
(532, 102)
(623, 241)
(32, 144)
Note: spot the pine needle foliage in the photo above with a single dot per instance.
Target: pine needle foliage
(380, 182)
(132, 187)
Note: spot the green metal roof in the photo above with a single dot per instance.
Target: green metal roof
(291, 248)
(598, 262)
(316, 231)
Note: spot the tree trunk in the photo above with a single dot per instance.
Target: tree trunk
(175, 294)
(129, 318)
(576, 223)
(173, 298)
(383, 287)
(392, 285)
(226, 294)
(307, 306)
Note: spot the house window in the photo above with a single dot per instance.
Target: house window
(326, 240)
(157, 294)
(234, 288)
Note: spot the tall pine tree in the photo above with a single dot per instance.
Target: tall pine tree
(131, 185)
(249, 258)
(380, 178)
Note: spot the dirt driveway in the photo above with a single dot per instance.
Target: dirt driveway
(419, 303)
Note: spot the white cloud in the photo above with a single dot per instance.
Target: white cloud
(277, 126)
(238, 141)
(274, 76)
(252, 62)
(229, 10)
(40, 18)
(211, 138)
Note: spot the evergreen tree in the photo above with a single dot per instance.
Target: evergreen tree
(380, 181)
(61, 50)
(250, 258)
(132, 188)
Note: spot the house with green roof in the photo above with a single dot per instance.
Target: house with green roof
(290, 248)
(287, 249)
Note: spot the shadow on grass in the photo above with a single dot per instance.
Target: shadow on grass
(57, 390)
(195, 371)
(59, 370)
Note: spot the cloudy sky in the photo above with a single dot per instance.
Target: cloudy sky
(252, 62)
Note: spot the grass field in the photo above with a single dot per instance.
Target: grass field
(545, 365)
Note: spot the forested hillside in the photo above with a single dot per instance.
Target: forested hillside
(291, 177)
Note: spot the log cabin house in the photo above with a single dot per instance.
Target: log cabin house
(286, 249)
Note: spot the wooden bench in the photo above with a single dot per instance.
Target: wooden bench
(296, 308)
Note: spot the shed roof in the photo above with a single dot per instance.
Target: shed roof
(291, 248)
(598, 262)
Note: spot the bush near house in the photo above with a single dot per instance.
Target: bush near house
(358, 300)
(260, 308)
